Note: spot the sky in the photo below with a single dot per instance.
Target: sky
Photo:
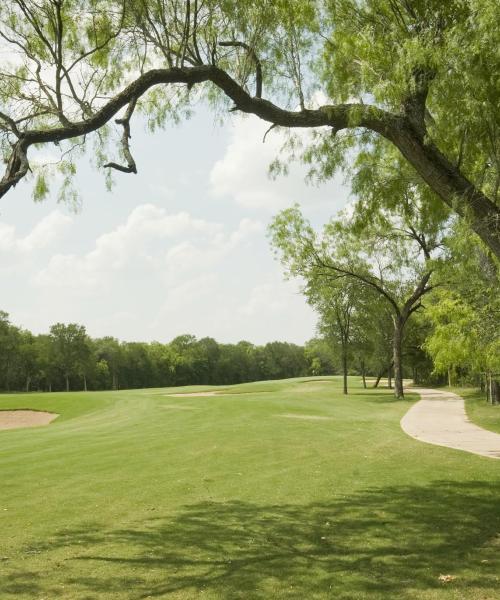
(181, 247)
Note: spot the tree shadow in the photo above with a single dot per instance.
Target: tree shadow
(381, 542)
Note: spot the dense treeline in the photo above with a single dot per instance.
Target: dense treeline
(68, 359)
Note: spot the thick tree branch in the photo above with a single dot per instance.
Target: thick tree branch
(17, 165)
(413, 301)
(364, 279)
(125, 122)
(258, 67)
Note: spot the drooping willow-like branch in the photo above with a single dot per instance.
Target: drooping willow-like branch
(125, 123)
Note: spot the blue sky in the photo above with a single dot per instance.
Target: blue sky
(179, 248)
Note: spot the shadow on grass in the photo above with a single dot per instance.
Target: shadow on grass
(386, 542)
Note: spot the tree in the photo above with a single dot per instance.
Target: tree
(319, 356)
(46, 366)
(10, 339)
(27, 357)
(417, 76)
(390, 257)
(336, 306)
(109, 350)
(70, 349)
(465, 317)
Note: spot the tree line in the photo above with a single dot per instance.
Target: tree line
(67, 358)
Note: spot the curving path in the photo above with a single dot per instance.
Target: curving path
(439, 418)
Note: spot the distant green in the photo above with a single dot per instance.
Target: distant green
(134, 494)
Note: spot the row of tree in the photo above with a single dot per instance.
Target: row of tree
(68, 359)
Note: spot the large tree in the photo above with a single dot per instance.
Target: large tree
(419, 76)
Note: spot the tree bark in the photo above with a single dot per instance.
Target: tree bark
(363, 373)
(344, 367)
(381, 374)
(495, 391)
(397, 357)
(84, 383)
(28, 382)
(67, 382)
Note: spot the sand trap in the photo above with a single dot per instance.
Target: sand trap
(306, 417)
(192, 395)
(11, 419)
(439, 418)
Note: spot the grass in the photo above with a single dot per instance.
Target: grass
(133, 494)
(478, 410)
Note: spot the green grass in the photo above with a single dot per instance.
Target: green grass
(478, 410)
(134, 494)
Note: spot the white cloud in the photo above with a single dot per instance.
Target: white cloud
(242, 174)
(135, 245)
(266, 297)
(44, 234)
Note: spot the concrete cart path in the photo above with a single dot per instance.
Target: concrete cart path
(439, 418)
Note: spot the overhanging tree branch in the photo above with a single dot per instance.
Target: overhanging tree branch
(125, 122)
(253, 56)
(435, 169)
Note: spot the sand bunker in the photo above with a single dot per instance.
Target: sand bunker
(306, 417)
(12, 419)
(192, 395)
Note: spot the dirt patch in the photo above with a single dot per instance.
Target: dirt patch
(192, 395)
(306, 417)
(12, 419)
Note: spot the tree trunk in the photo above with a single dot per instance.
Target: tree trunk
(398, 358)
(115, 381)
(389, 378)
(50, 386)
(28, 382)
(344, 367)
(67, 382)
(449, 376)
(84, 383)
(495, 391)
(363, 373)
